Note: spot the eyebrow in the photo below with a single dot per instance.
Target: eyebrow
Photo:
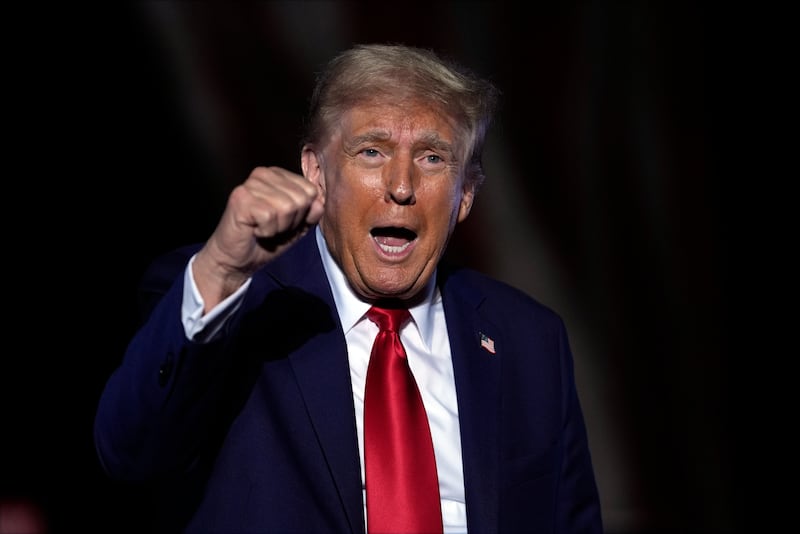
(429, 140)
(435, 142)
(372, 136)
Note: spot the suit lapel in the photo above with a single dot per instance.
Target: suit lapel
(325, 386)
(477, 374)
(322, 371)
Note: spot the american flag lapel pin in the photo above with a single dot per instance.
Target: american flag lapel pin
(487, 343)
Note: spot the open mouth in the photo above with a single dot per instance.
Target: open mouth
(393, 239)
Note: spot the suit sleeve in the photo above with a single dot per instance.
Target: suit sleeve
(158, 408)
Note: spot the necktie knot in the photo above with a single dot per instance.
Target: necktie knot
(391, 319)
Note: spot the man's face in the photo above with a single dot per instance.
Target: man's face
(393, 182)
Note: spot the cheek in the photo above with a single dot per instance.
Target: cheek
(350, 200)
(448, 200)
(351, 180)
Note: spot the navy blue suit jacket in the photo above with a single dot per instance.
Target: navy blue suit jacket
(256, 431)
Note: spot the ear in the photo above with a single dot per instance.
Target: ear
(467, 198)
(311, 163)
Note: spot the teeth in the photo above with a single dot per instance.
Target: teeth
(389, 249)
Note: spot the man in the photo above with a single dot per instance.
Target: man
(246, 391)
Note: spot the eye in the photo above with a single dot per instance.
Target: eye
(432, 162)
(371, 158)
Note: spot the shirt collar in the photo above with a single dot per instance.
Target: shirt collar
(351, 308)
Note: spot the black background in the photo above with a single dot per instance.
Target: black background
(127, 125)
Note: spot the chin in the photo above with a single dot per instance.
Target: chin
(395, 292)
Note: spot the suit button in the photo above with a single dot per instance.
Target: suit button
(163, 373)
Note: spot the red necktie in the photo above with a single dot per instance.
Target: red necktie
(401, 480)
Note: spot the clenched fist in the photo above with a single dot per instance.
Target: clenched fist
(263, 217)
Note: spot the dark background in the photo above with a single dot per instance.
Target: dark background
(127, 126)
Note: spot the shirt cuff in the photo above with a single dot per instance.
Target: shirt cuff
(197, 326)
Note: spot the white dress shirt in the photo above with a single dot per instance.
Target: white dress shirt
(428, 349)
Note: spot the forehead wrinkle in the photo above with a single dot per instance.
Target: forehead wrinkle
(420, 138)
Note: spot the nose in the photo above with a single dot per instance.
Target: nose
(400, 181)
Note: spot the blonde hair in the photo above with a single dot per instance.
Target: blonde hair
(368, 72)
